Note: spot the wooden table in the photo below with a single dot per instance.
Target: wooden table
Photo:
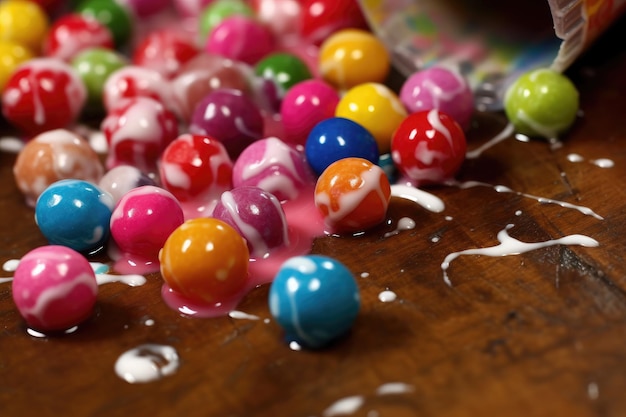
(540, 333)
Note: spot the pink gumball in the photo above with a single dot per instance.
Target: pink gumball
(241, 38)
(145, 8)
(190, 8)
(54, 288)
(305, 105)
(281, 16)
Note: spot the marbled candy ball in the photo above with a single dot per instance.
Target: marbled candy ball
(335, 138)
(315, 299)
(541, 103)
(76, 214)
(205, 260)
(143, 220)
(218, 10)
(322, 18)
(145, 8)
(51, 156)
(352, 195)
(240, 38)
(275, 167)
(196, 167)
(428, 147)
(73, 33)
(283, 17)
(257, 215)
(54, 288)
(442, 89)
(165, 51)
(230, 117)
(43, 94)
(114, 15)
(121, 179)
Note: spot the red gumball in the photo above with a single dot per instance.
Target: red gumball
(73, 33)
(165, 51)
(321, 18)
(43, 94)
(137, 132)
(428, 147)
(196, 167)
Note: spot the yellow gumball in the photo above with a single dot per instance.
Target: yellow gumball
(352, 56)
(375, 107)
(11, 56)
(23, 22)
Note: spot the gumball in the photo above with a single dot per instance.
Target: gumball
(137, 131)
(54, 288)
(196, 167)
(214, 13)
(165, 51)
(73, 33)
(230, 117)
(145, 8)
(428, 147)
(143, 220)
(442, 89)
(113, 15)
(132, 81)
(256, 215)
(94, 66)
(23, 22)
(121, 179)
(283, 18)
(322, 18)
(190, 8)
(74, 213)
(275, 167)
(202, 75)
(43, 94)
(240, 38)
(52, 156)
(353, 195)
(353, 56)
(205, 260)
(283, 69)
(315, 299)
(11, 56)
(336, 138)
(376, 107)
(541, 103)
(305, 105)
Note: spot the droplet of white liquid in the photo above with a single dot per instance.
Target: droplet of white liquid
(344, 406)
(603, 163)
(11, 265)
(147, 363)
(387, 296)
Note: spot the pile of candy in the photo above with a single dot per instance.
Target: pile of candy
(236, 133)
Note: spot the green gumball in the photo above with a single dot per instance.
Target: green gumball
(284, 69)
(111, 14)
(541, 103)
(219, 10)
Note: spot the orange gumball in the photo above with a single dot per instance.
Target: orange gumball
(353, 195)
(205, 260)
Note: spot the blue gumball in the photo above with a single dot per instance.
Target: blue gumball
(336, 138)
(315, 299)
(74, 213)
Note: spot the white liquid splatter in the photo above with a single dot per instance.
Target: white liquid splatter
(387, 296)
(147, 363)
(424, 199)
(504, 134)
(511, 246)
(600, 162)
(365, 274)
(344, 406)
(11, 144)
(392, 388)
(405, 223)
(593, 392)
(10, 265)
(240, 315)
(132, 280)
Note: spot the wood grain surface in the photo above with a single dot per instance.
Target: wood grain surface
(541, 333)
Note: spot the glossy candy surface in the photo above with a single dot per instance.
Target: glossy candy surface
(205, 260)
(145, 8)
(257, 215)
(353, 56)
(165, 51)
(283, 17)
(275, 167)
(121, 179)
(306, 104)
(240, 38)
(12, 54)
(321, 18)
(143, 220)
(51, 156)
(428, 147)
(542, 103)
(23, 22)
(73, 33)
(54, 288)
(196, 167)
(283, 69)
(137, 131)
(353, 195)
(230, 117)
(113, 15)
(74, 213)
(94, 66)
(315, 299)
(43, 94)
(375, 107)
(133, 81)
(216, 11)
(336, 138)
(442, 89)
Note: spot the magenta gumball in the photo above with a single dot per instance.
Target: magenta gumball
(257, 215)
(240, 38)
(439, 88)
(145, 8)
(229, 116)
(306, 104)
(54, 288)
(275, 167)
